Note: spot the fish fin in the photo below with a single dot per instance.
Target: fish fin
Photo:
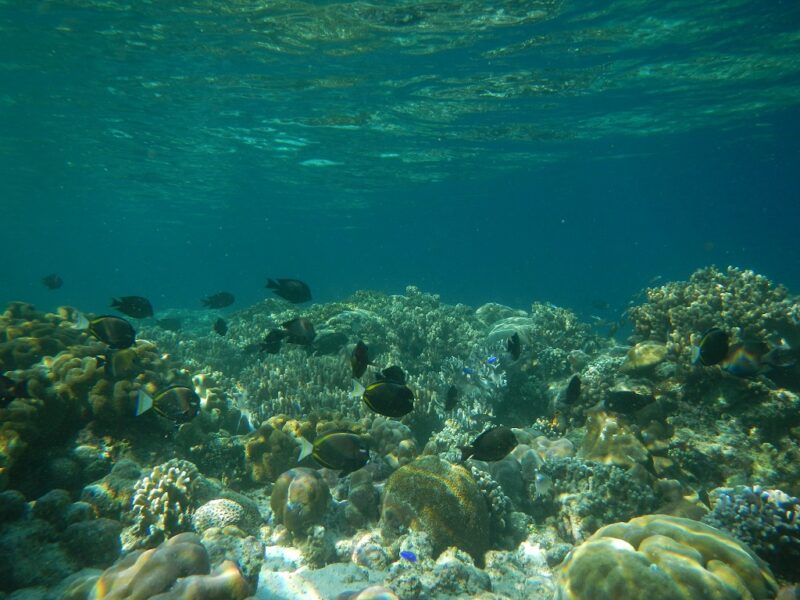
(144, 402)
(272, 284)
(81, 322)
(306, 448)
(358, 390)
(466, 452)
(695, 355)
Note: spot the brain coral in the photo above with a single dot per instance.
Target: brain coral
(441, 499)
(669, 558)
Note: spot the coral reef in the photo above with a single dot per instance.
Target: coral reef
(299, 499)
(765, 520)
(178, 569)
(440, 499)
(657, 556)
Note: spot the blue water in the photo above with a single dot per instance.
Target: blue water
(511, 152)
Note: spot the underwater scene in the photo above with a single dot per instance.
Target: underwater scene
(403, 299)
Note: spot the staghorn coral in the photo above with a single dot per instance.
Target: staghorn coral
(657, 556)
(765, 520)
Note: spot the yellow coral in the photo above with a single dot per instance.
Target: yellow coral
(669, 558)
(609, 440)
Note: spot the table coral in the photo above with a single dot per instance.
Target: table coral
(669, 558)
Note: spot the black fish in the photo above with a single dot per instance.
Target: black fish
(119, 363)
(514, 346)
(271, 343)
(573, 390)
(293, 290)
(627, 401)
(133, 306)
(359, 359)
(111, 330)
(393, 374)
(52, 281)
(338, 450)
(10, 389)
(220, 326)
(389, 399)
(451, 398)
(300, 331)
(220, 300)
(712, 349)
(177, 403)
(169, 324)
(492, 445)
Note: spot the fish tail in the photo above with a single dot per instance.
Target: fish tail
(466, 452)
(144, 402)
(306, 448)
(81, 322)
(358, 390)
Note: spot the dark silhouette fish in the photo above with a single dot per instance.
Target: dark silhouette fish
(52, 281)
(220, 326)
(492, 445)
(111, 330)
(339, 450)
(220, 300)
(451, 398)
(712, 349)
(299, 331)
(627, 401)
(389, 396)
(133, 306)
(359, 359)
(514, 346)
(573, 390)
(293, 290)
(393, 374)
(271, 343)
(177, 403)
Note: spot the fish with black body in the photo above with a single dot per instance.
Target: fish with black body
(169, 324)
(137, 307)
(339, 450)
(111, 330)
(712, 349)
(389, 396)
(11, 390)
(451, 398)
(492, 445)
(749, 358)
(514, 346)
(359, 359)
(120, 364)
(52, 281)
(299, 331)
(177, 403)
(220, 326)
(271, 343)
(291, 290)
(627, 401)
(393, 374)
(219, 300)
(573, 390)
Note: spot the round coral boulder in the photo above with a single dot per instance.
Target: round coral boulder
(664, 557)
(440, 499)
(299, 499)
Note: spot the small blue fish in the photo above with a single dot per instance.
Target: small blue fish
(492, 360)
(408, 555)
(468, 371)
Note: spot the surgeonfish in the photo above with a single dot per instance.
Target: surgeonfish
(219, 300)
(177, 403)
(339, 450)
(52, 281)
(111, 330)
(359, 359)
(291, 290)
(712, 348)
(492, 445)
(137, 307)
